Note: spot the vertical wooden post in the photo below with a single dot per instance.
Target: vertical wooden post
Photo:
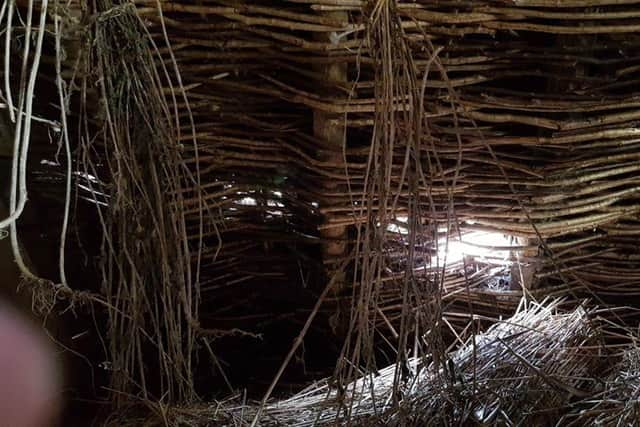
(330, 129)
(524, 269)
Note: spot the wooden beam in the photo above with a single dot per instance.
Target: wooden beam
(331, 129)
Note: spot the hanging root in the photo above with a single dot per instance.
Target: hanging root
(148, 282)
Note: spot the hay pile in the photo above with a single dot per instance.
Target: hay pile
(523, 370)
(618, 403)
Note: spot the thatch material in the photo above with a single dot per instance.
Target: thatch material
(618, 404)
(523, 370)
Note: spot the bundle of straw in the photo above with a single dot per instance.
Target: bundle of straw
(618, 404)
(523, 370)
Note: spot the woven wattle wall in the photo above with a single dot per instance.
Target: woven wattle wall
(530, 111)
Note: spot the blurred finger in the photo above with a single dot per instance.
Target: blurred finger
(28, 377)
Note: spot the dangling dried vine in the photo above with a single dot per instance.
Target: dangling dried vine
(149, 282)
(394, 177)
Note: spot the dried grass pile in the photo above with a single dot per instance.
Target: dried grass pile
(523, 370)
(617, 404)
